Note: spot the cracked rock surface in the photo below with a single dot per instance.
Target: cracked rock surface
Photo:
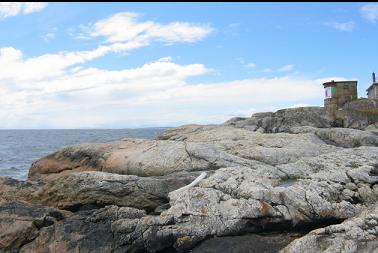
(284, 181)
(358, 234)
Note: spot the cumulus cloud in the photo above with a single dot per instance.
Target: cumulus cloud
(49, 91)
(33, 7)
(341, 26)
(8, 9)
(370, 12)
(125, 26)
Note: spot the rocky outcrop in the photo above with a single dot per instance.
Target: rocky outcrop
(357, 114)
(359, 234)
(347, 138)
(20, 223)
(285, 119)
(271, 179)
(267, 148)
(85, 231)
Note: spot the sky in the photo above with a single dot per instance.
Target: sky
(129, 65)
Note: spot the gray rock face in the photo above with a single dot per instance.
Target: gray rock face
(240, 200)
(359, 234)
(347, 138)
(267, 148)
(356, 114)
(82, 189)
(250, 200)
(284, 120)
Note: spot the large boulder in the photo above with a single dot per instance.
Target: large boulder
(87, 190)
(80, 190)
(134, 157)
(189, 148)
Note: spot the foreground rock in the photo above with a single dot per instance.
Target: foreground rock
(20, 223)
(251, 243)
(83, 190)
(86, 231)
(359, 234)
(308, 193)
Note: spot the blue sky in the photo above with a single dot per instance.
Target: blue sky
(116, 65)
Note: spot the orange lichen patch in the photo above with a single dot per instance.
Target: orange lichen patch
(184, 239)
(373, 111)
(204, 210)
(47, 165)
(54, 176)
(265, 208)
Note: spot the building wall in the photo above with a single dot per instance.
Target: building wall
(342, 92)
(373, 92)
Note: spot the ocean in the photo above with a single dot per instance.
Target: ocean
(20, 148)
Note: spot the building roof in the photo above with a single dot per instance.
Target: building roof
(371, 86)
(337, 82)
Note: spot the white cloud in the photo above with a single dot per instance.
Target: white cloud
(370, 12)
(9, 9)
(48, 37)
(286, 68)
(33, 7)
(51, 66)
(124, 27)
(346, 26)
(50, 91)
(298, 105)
(246, 64)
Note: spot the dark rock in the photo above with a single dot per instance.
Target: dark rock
(21, 223)
(251, 243)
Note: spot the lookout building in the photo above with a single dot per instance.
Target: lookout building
(372, 91)
(338, 93)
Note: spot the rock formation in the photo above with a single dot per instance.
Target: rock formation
(288, 181)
